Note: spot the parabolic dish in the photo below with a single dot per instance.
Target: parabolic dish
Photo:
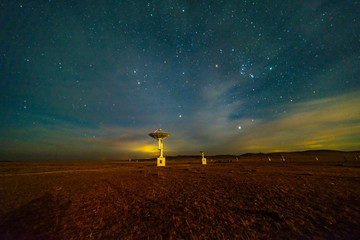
(159, 135)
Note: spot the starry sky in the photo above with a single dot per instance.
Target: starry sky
(90, 79)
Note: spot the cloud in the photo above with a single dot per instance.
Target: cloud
(208, 124)
(66, 140)
(329, 123)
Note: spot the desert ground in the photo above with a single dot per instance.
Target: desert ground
(310, 195)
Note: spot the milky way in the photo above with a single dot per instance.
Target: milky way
(91, 79)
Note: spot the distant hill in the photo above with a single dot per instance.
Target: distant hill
(297, 156)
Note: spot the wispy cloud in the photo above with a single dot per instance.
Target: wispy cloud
(331, 123)
(328, 123)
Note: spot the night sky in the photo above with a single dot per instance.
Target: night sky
(91, 79)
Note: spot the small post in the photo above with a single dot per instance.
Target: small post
(203, 159)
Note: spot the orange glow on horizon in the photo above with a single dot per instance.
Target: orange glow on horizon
(147, 149)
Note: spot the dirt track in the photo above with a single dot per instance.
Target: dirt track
(238, 200)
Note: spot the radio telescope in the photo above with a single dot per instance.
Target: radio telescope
(158, 135)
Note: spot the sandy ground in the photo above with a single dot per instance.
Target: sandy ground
(230, 198)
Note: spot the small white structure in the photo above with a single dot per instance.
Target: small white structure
(203, 159)
(160, 136)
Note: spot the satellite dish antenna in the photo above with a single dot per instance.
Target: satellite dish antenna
(158, 135)
(203, 159)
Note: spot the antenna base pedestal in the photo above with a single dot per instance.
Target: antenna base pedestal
(161, 162)
(203, 161)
